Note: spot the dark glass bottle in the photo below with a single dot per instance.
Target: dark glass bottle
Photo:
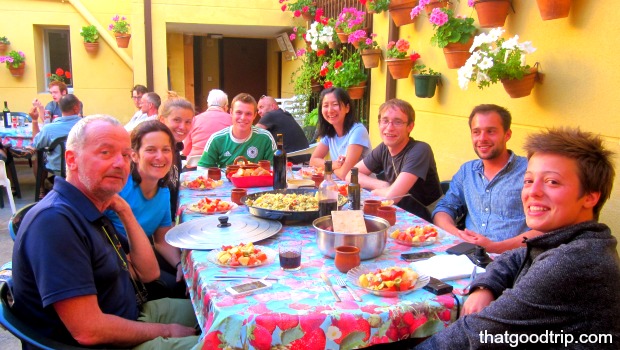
(279, 165)
(328, 192)
(6, 115)
(354, 190)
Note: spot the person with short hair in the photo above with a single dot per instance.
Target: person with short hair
(136, 97)
(240, 139)
(408, 165)
(279, 121)
(565, 282)
(214, 119)
(486, 190)
(75, 280)
(342, 136)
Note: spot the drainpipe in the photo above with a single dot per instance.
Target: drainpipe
(148, 43)
(103, 32)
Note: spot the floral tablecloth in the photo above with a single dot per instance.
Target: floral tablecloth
(298, 311)
(18, 137)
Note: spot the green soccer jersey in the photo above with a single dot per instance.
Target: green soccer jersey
(221, 149)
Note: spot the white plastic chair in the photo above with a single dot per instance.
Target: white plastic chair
(4, 181)
(308, 150)
(192, 161)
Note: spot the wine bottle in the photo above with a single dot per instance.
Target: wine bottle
(6, 115)
(279, 164)
(354, 190)
(328, 192)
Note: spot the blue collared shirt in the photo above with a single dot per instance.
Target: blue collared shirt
(492, 208)
(58, 128)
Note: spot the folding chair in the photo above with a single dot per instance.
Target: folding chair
(41, 161)
(4, 181)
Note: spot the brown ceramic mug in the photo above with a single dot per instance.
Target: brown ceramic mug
(265, 164)
(236, 194)
(214, 173)
(388, 213)
(347, 257)
(371, 206)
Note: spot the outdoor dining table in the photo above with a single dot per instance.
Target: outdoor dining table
(298, 309)
(19, 137)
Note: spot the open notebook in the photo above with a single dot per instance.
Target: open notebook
(446, 267)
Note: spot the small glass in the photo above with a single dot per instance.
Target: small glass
(290, 255)
(371, 206)
(214, 173)
(236, 194)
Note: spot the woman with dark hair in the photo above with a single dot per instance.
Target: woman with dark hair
(147, 193)
(342, 136)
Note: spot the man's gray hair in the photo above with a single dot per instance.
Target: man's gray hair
(77, 135)
(217, 98)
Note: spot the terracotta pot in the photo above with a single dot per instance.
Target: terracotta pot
(307, 16)
(92, 47)
(399, 67)
(400, 11)
(371, 206)
(347, 257)
(371, 57)
(19, 71)
(236, 194)
(436, 4)
(388, 213)
(517, 88)
(425, 85)
(456, 54)
(344, 38)
(214, 173)
(492, 13)
(552, 9)
(122, 40)
(357, 92)
(3, 47)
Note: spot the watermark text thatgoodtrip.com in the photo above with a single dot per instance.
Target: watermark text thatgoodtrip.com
(549, 337)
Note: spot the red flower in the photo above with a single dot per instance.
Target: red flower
(48, 75)
(305, 9)
(337, 65)
(283, 7)
(281, 1)
(363, 2)
(297, 13)
(320, 53)
(319, 13)
(328, 84)
(68, 74)
(414, 56)
(323, 72)
(60, 71)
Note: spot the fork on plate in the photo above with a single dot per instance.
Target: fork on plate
(343, 284)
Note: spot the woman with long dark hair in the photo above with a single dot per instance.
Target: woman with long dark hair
(342, 136)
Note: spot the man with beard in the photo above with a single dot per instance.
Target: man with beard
(408, 165)
(487, 190)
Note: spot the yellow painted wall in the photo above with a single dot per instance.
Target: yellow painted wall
(578, 56)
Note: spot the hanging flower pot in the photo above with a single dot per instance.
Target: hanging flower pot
(517, 88)
(19, 71)
(344, 38)
(316, 85)
(371, 57)
(357, 92)
(457, 54)
(436, 4)
(92, 47)
(400, 11)
(553, 9)
(3, 47)
(122, 40)
(425, 84)
(492, 13)
(400, 67)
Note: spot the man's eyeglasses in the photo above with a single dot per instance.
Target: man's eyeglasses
(397, 123)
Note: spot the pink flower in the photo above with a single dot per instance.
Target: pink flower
(281, 1)
(115, 18)
(110, 27)
(283, 7)
(297, 13)
(415, 12)
(391, 45)
(471, 3)
(292, 36)
(295, 29)
(301, 52)
(438, 17)
(402, 45)
(305, 9)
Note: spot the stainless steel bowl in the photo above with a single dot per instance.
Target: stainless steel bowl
(371, 244)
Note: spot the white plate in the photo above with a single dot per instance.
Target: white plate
(233, 206)
(417, 244)
(354, 274)
(271, 255)
(186, 182)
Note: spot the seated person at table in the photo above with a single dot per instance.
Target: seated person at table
(214, 119)
(177, 113)
(136, 96)
(408, 165)
(240, 139)
(57, 89)
(342, 136)
(487, 190)
(72, 280)
(279, 121)
(148, 196)
(149, 105)
(566, 280)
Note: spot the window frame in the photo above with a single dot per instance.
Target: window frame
(47, 69)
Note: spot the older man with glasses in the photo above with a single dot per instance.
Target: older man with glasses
(148, 104)
(407, 166)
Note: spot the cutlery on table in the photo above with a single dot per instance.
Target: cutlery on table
(329, 284)
(343, 284)
(234, 277)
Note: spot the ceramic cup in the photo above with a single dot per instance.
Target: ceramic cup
(388, 213)
(236, 194)
(371, 206)
(347, 257)
(214, 173)
(265, 164)
(290, 255)
(317, 178)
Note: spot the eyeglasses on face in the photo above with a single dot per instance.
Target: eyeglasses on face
(396, 123)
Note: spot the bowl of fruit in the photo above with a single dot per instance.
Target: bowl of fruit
(386, 281)
(416, 236)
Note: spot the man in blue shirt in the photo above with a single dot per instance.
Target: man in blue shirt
(487, 190)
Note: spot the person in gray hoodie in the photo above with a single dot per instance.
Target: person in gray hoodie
(563, 289)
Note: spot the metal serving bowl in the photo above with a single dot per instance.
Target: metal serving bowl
(371, 244)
